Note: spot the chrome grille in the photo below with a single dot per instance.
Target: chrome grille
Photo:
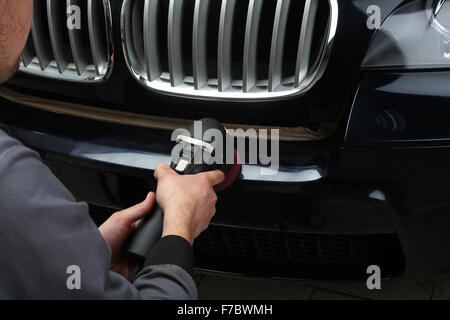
(228, 49)
(54, 50)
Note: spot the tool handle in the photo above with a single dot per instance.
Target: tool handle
(147, 233)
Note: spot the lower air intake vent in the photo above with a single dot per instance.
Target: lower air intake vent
(69, 40)
(297, 255)
(228, 49)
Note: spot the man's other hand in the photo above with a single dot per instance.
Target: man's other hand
(118, 228)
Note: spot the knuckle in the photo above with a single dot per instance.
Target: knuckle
(115, 215)
(204, 180)
(159, 167)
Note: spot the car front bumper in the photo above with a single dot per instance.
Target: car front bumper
(335, 207)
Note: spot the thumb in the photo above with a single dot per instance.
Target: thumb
(216, 177)
(138, 211)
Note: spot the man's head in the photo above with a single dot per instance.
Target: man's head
(15, 22)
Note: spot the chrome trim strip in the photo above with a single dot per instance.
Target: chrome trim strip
(437, 6)
(153, 122)
(315, 76)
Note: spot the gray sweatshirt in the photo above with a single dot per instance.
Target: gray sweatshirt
(51, 249)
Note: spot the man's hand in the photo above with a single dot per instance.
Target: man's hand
(188, 201)
(118, 228)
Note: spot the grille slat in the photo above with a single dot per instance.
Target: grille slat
(175, 42)
(224, 58)
(277, 48)
(95, 34)
(38, 35)
(250, 44)
(79, 54)
(27, 54)
(199, 47)
(305, 42)
(229, 49)
(56, 51)
(56, 34)
(151, 50)
(138, 35)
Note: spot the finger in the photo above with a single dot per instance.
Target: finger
(138, 211)
(162, 169)
(216, 177)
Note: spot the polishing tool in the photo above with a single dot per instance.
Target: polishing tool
(202, 147)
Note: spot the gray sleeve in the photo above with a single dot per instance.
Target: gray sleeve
(44, 231)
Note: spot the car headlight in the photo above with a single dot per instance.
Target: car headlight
(415, 36)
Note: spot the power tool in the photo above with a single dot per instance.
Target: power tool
(202, 148)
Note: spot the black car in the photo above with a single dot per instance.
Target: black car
(359, 90)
